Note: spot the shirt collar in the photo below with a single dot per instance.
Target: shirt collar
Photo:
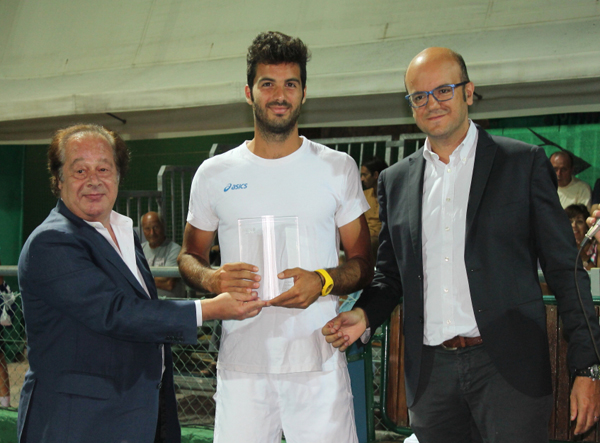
(116, 220)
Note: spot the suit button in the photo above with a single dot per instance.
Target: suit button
(159, 385)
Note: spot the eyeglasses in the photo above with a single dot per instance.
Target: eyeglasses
(441, 94)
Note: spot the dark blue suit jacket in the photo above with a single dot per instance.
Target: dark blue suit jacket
(94, 339)
(513, 219)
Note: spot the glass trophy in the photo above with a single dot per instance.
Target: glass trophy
(271, 243)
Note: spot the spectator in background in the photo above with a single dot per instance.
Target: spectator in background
(369, 174)
(578, 215)
(4, 379)
(571, 190)
(161, 251)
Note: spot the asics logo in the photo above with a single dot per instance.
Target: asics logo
(234, 187)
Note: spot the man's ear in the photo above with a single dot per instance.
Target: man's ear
(469, 91)
(248, 93)
(304, 95)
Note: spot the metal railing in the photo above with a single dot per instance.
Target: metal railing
(174, 183)
(359, 148)
(134, 204)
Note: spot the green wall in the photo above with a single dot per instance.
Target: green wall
(11, 203)
(581, 140)
(25, 197)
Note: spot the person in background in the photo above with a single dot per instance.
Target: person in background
(4, 378)
(161, 251)
(571, 190)
(369, 174)
(578, 214)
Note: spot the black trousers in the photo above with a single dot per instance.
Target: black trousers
(462, 398)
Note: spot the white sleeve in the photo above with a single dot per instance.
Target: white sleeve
(198, 312)
(352, 202)
(200, 212)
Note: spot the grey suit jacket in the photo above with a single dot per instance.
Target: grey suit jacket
(513, 219)
(94, 339)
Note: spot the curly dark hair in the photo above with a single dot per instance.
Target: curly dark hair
(56, 150)
(273, 48)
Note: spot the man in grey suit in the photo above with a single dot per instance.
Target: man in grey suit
(464, 222)
(100, 366)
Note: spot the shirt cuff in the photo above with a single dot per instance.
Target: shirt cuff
(366, 336)
(198, 312)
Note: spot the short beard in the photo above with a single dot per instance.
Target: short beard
(275, 131)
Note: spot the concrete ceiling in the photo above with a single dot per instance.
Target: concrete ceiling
(177, 67)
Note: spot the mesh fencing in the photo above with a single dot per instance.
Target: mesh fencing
(194, 368)
(194, 365)
(13, 356)
(376, 349)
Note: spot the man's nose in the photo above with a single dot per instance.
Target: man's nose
(432, 102)
(279, 94)
(93, 179)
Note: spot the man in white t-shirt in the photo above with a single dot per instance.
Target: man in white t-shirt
(161, 251)
(571, 190)
(277, 373)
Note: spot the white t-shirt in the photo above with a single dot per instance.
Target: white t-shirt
(322, 188)
(576, 192)
(165, 255)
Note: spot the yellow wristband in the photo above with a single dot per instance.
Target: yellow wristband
(328, 285)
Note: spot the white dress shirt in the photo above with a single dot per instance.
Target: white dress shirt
(123, 228)
(447, 305)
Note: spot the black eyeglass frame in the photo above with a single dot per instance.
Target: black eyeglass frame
(428, 93)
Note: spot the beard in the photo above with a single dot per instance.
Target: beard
(275, 129)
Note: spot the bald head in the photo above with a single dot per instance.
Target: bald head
(439, 54)
(444, 121)
(563, 166)
(154, 229)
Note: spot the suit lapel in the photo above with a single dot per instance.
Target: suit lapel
(103, 248)
(144, 268)
(484, 159)
(415, 200)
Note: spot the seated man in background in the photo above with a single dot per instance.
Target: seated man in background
(369, 174)
(571, 190)
(100, 364)
(161, 251)
(578, 215)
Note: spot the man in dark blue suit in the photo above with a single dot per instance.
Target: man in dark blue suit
(464, 222)
(98, 337)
